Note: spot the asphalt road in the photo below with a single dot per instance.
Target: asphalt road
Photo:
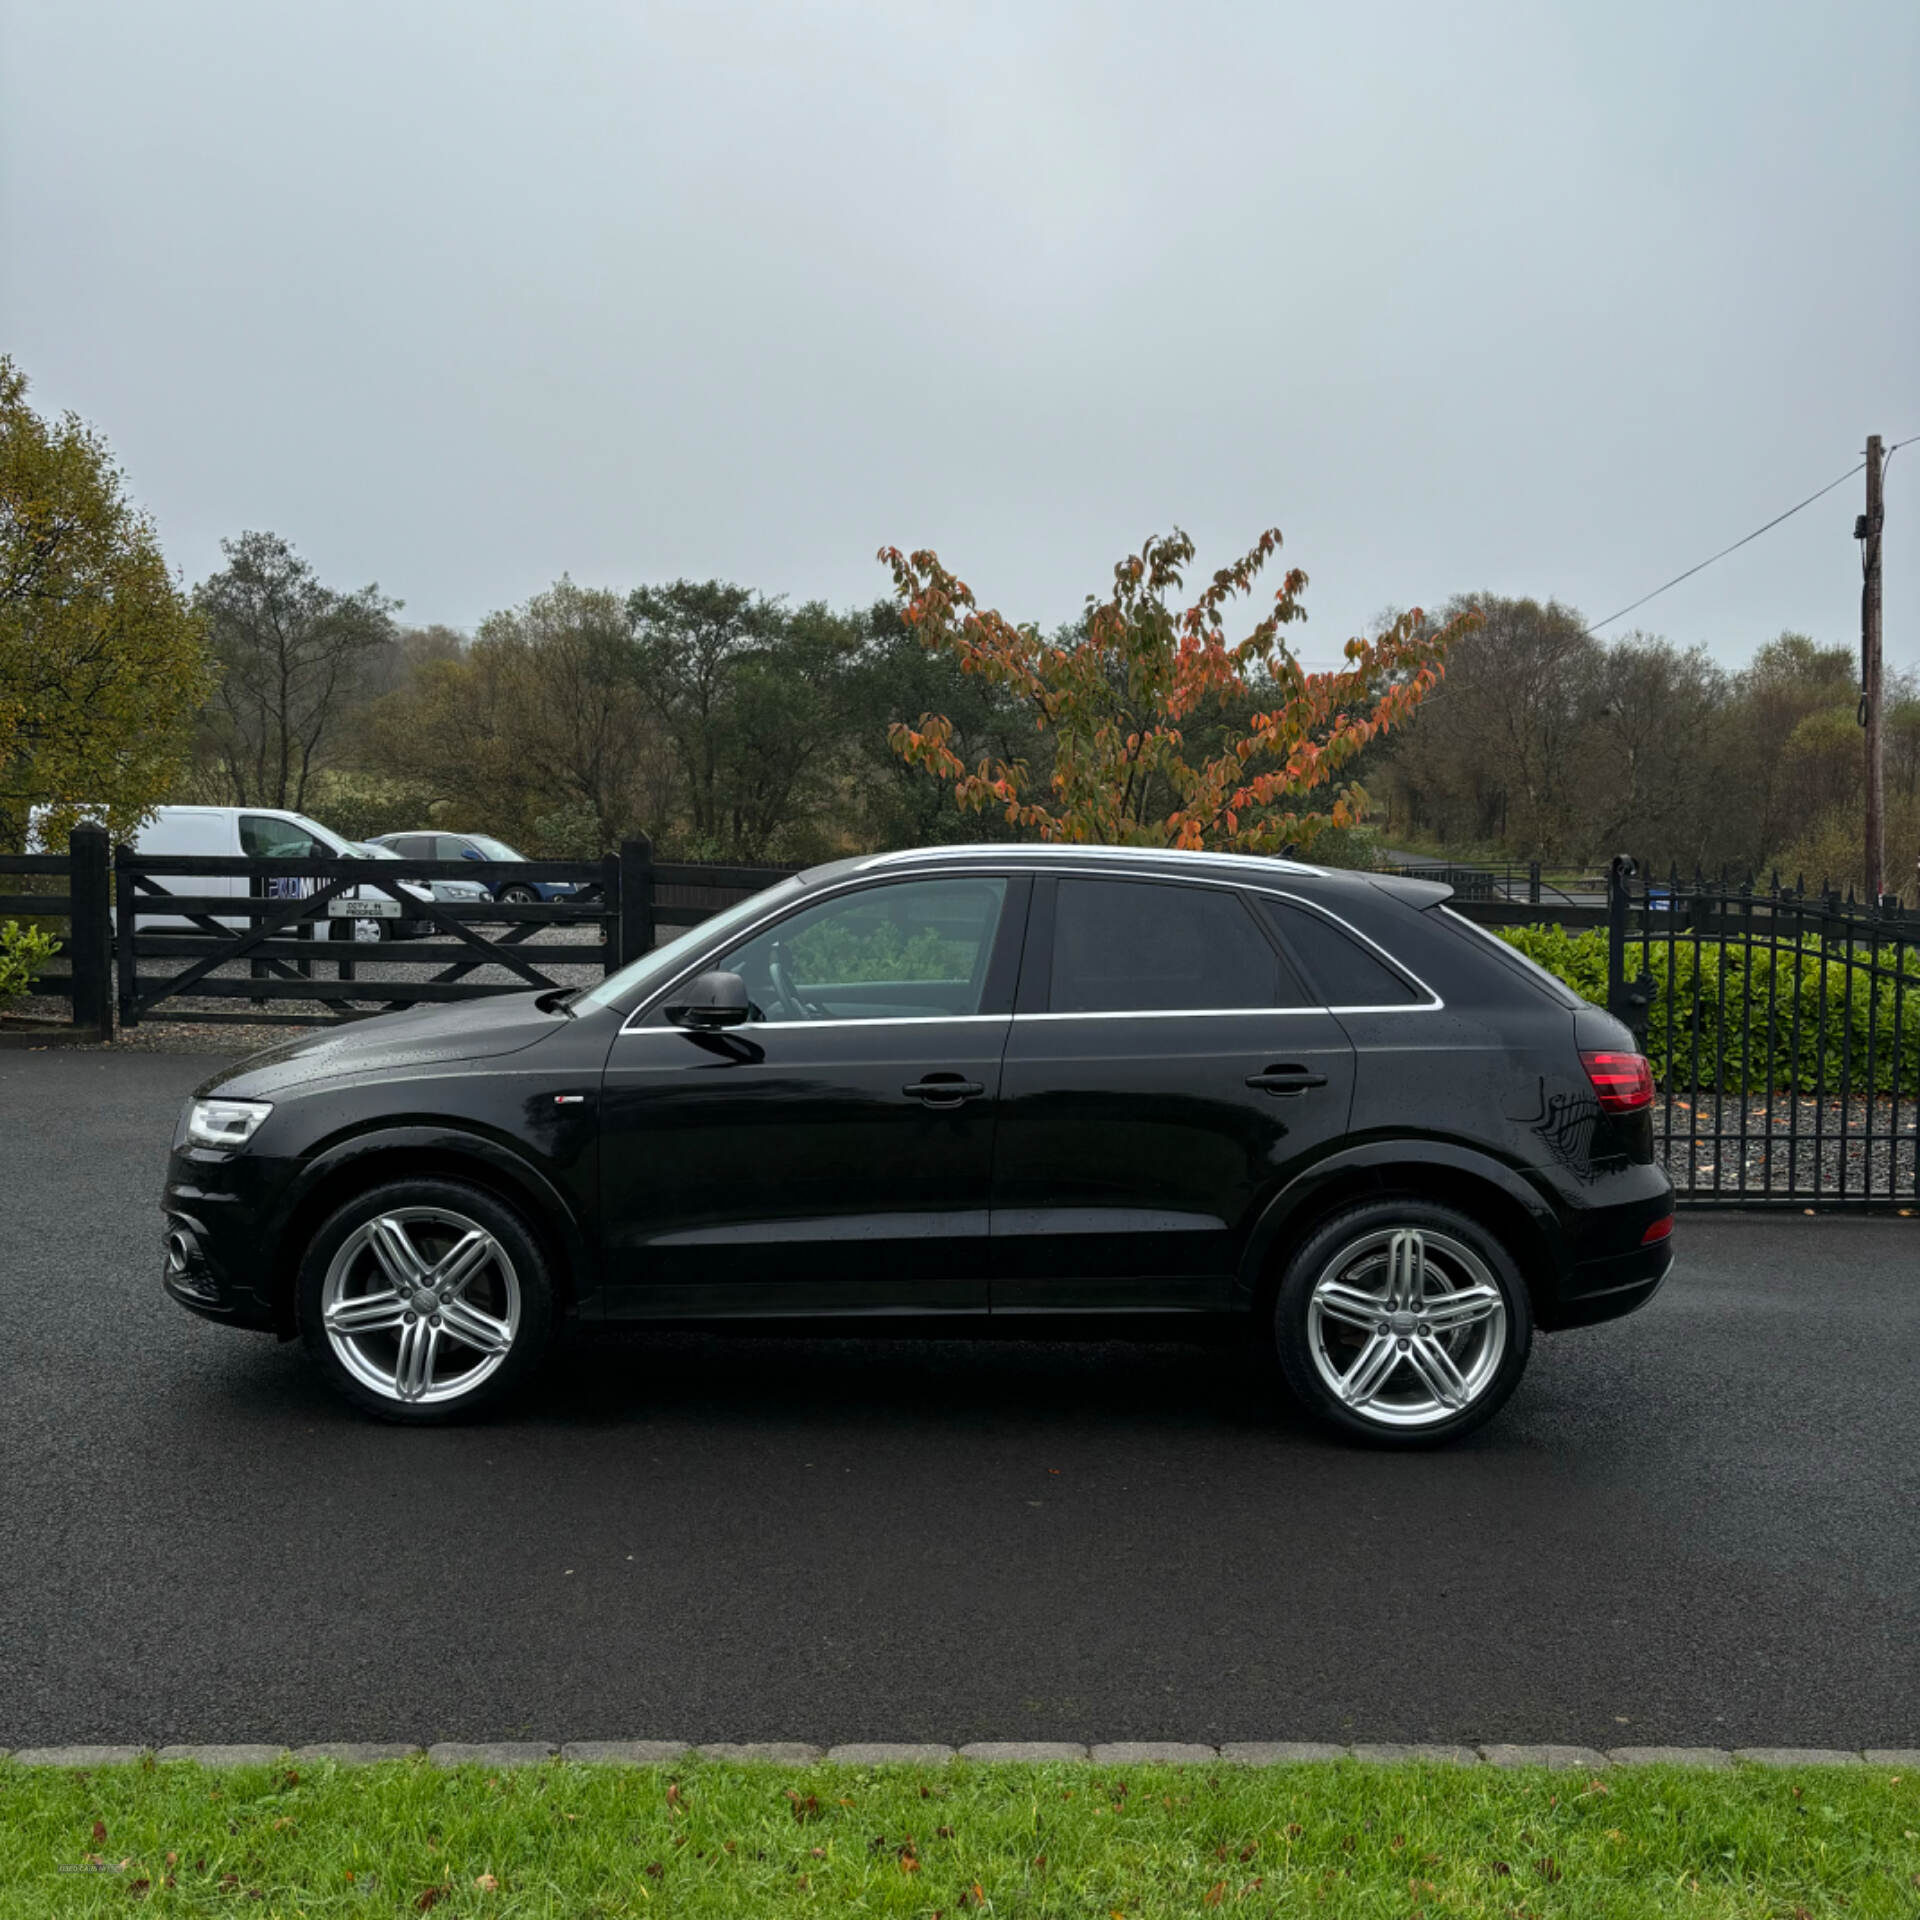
(1701, 1524)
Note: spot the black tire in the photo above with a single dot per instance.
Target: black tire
(1343, 1245)
(519, 896)
(517, 1310)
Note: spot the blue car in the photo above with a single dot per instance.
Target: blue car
(477, 846)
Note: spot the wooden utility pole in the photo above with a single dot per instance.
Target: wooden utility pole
(1867, 532)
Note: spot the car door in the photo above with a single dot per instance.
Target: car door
(1166, 1072)
(834, 1154)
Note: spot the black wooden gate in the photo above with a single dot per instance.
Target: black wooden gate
(282, 936)
(285, 933)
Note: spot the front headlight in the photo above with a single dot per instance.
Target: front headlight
(226, 1123)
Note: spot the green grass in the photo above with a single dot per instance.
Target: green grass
(705, 1839)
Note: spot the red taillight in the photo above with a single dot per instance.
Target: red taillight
(1623, 1081)
(1658, 1231)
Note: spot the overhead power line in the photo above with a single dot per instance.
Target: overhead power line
(1724, 551)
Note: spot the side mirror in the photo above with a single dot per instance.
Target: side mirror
(711, 1000)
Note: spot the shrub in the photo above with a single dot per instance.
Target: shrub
(572, 832)
(1734, 1013)
(357, 806)
(24, 951)
(1355, 846)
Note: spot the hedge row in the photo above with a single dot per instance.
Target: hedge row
(1733, 1010)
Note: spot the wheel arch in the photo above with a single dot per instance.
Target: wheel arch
(1471, 1183)
(367, 1160)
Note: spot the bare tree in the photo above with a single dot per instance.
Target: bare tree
(1640, 757)
(1489, 760)
(292, 653)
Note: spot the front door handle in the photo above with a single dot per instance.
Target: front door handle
(943, 1090)
(1283, 1080)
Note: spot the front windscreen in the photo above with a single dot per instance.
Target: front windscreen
(660, 965)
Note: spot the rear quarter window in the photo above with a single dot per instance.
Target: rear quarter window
(1489, 943)
(1344, 970)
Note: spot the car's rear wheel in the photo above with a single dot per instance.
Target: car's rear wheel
(1403, 1323)
(425, 1300)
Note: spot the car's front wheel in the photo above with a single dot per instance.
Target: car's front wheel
(425, 1300)
(1403, 1323)
(519, 896)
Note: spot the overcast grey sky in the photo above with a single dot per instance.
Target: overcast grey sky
(459, 294)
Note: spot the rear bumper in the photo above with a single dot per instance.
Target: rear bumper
(1607, 1266)
(1618, 1283)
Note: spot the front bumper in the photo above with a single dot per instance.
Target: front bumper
(212, 1259)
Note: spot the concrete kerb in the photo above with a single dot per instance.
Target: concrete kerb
(491, 1753)
(1556, 1759)
(888, 1753)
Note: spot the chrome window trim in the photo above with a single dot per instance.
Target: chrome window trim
(883, 1020)
(1192, 1013)
(853, 883)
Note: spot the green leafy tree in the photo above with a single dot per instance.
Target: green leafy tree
(102, 660)
(752, 697)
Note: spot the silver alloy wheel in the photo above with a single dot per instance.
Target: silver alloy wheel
(1407, 1326)
(421, 1305)
(365, 927)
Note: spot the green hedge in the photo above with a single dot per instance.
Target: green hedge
(1750, 1044)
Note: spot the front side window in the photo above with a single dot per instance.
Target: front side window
(262, 837)
(654, 969)
(1143, 946)
(913, 950)
(447, 846)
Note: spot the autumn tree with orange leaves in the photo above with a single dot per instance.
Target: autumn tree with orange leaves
(1122, 696)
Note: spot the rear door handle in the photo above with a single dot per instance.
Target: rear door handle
(943, 1090)
(1284, 1080)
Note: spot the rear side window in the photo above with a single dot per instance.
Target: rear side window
(1138, 946)
(1345, 972)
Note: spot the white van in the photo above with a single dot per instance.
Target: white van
(273, 833)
